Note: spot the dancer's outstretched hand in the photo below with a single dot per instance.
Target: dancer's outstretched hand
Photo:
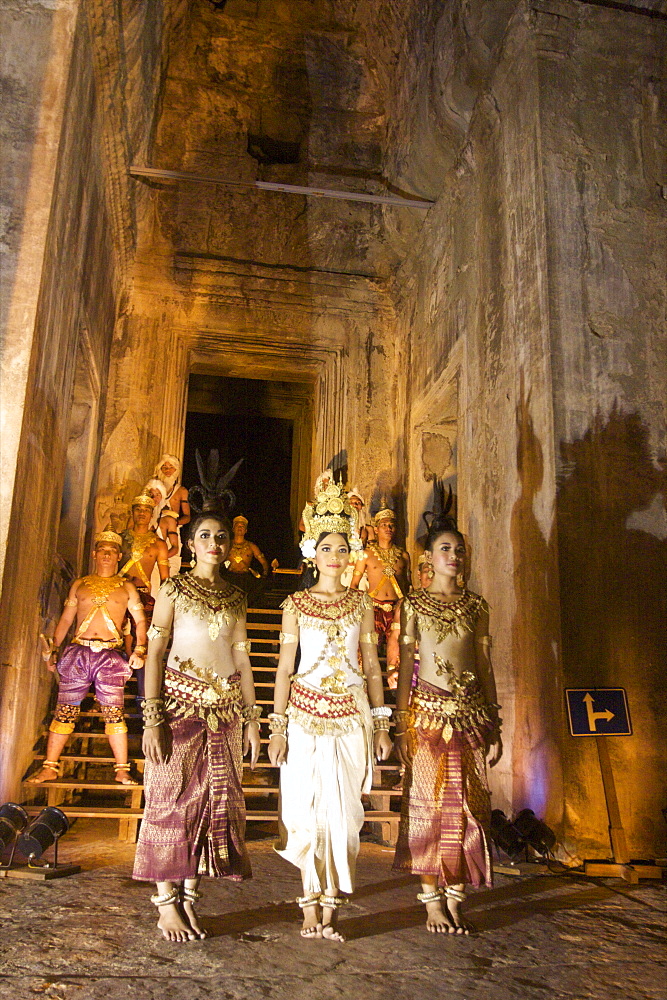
(277, 750)
(382, 744)
(251, 742)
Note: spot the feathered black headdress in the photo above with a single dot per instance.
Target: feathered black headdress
(442, 505)
(214, 492)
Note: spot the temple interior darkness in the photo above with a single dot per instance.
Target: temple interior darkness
(494, 318)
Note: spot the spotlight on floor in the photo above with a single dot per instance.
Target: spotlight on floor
(535, 833)
(505, 836)
(38, 836)
(13, 819)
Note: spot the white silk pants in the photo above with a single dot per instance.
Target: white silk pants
(320, 809)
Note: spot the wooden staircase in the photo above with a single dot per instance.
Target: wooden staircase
(87, 788)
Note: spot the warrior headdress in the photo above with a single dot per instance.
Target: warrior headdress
(331, 512)
(381, 510)
(213, 493)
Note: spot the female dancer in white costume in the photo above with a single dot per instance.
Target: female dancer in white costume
(324, 734)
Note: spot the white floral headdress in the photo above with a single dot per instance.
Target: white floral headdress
(331, 512)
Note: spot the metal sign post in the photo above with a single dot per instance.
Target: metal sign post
(601, 713)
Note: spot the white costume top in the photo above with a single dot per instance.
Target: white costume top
(329, 639)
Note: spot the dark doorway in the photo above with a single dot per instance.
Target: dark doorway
(238, 429)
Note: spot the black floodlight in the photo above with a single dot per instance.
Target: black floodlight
(535, 833)
(505, 836)
(13, 820)
(44, 831)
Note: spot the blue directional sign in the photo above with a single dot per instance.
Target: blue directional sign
(598, 712)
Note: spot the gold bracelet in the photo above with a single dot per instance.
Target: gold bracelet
(141, 650)
(395, 627)
(286, 638)
(380, 724)
(371, 637)
(251, 713)
(277, 724)
(407, 640)
(242, 646)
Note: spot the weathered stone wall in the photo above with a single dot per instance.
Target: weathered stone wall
(532, 310)
(603, 90)
(76, 305)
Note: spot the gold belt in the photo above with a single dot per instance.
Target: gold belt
(186, 696)
(98, 644)
(385, 605)
(448, 711)
(321, 713)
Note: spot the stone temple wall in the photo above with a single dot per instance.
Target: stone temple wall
(532, 311)
(74, 322)
(603, 100)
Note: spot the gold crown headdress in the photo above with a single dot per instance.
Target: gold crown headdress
(241, 518)
(384, 514)
(109, 536)
(143, 500)
(331, 512)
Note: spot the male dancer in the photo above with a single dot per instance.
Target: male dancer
(143, 550)
(387, 569)
(99, 603)
(175, 511)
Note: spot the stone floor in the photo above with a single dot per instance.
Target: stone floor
(93, 937)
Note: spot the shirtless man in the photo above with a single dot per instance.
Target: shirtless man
(241, 556)
(387, 569)
(143, 550)
(175, 510)
(99, 603)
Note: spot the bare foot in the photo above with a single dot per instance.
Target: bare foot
(192, 919)
(172, 925)
(330, 925)
(438, 921)
(46, 773)
(123, 776)
(312, 922)
(461, 925)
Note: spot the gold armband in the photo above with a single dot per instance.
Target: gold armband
(486, 640)
(71, 603)
(157, 632)
(163, 562)
(287, 637)
(137, 607)
(243, 646)
(371, 637)
(395, 627)
(168, 512)
(406, 640)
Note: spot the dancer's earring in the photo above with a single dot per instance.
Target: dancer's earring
(461, 581)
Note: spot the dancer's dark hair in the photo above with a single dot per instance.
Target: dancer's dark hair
(310, 574)
(439, 520)
(439, 526)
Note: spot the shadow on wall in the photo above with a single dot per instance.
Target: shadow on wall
(612, 542)
(539, 715)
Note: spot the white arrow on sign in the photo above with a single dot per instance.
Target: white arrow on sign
(594, 716)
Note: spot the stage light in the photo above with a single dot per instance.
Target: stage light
(44, 831)
(505, 836)
(535, 833)
(13, 819)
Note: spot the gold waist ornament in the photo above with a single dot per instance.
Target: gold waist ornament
(98, 644)
(213, 699)
(322, 713)
(464, 709)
